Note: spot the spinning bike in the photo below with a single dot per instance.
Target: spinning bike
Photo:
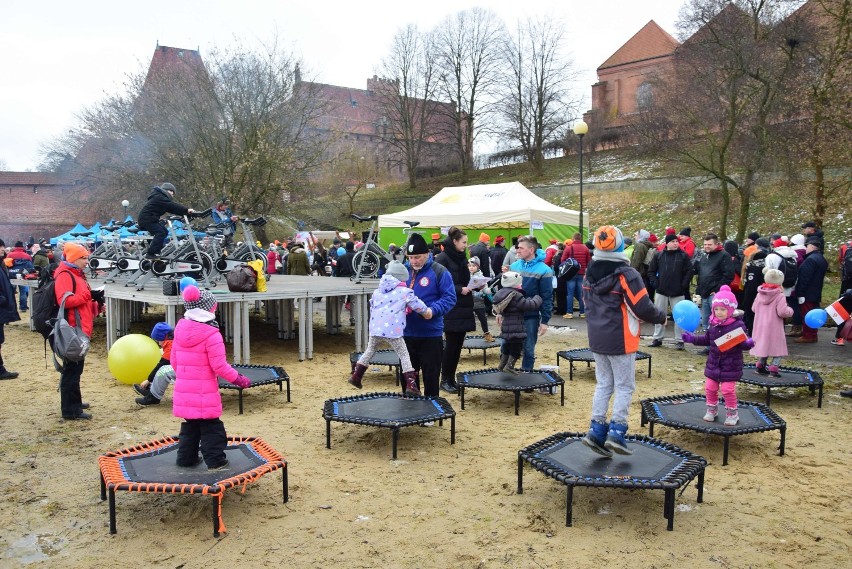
(371, 258)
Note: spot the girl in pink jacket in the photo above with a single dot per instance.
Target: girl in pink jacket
(198, 357)
(390, 305)
(770, 309)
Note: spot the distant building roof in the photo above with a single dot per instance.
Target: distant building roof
(650, 42)
(33, 179)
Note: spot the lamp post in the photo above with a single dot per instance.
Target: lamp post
(126, 205)
(580, 129)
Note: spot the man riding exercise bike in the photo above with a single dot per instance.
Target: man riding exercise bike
(159, 201)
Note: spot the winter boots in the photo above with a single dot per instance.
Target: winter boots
(615, 440)
(147, 399)
(507, 364)
(732, 417)
(760, 369)
(595, 439)
(357, 374)
(795, 332)
(710, 415)
(773, 371)
(488, 337)
(410, 380)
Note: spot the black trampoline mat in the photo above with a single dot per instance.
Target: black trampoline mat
(159, 466)
(586, 355)
(789, 378)
(389, 409)
(690, 412)
(647, 462)
(505, 381)
(257, 374)
(479, 343)
(381, 357)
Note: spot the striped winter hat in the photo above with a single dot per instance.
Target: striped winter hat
(195, 298)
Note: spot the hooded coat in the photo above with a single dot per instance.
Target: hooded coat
(616, 299)
(297, 262)
(389, 306)
(770, 309)
(198, 357)
(722, 366)
(159, 202)
(512, 327)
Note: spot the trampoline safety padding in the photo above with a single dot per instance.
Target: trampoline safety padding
(389, 410)
(150, 467)
(686, 412)
(381, 358)
(259, 375)
(654, 465)
(479, 343)
(790, 377)
(497, 380)
(586, 355)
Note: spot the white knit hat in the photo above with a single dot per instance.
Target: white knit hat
(511, 279)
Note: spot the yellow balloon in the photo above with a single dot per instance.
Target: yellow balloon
(132, 358)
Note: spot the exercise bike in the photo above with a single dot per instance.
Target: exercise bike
(370, 259)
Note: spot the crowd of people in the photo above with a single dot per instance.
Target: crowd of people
(432, 295)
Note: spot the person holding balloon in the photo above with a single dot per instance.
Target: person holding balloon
(725, 339)
(198, 357)
(770, 309)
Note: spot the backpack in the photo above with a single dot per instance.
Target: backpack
(70, 343)
(790, 268)
(568, 270)
(44, 306)
(21, 268)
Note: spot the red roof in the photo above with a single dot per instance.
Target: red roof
(650, 42)
(33, 179)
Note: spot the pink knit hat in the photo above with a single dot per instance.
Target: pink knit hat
(725, 298)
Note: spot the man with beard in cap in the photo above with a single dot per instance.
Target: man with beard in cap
(432, 284)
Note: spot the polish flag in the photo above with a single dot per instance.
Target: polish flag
(731, 339)
(838, 312)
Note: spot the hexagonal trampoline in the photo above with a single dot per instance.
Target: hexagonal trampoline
(790, 377)
(381, 358)
(496, 380)
(480, 343)
(259, 375)
(586, 355)
(151, 468)
(686, 412)
(389, 410)
(654, 465)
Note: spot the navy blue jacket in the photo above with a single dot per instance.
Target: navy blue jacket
(437, 292)
(811, 277)
(8, 309)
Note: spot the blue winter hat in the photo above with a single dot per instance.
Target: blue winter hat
(161, 331)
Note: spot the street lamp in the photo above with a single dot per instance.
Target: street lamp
(580, 129)
(126, 205)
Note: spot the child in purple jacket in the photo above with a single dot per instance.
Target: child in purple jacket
(726, 339)
(389, 306)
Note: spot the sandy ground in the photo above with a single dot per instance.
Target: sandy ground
(438, 505)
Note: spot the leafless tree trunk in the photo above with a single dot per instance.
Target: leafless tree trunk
(408, 87)
(468, 48)
(537, 104)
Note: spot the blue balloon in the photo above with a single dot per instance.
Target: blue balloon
(187, 281)
(816, 318)
(687, 315)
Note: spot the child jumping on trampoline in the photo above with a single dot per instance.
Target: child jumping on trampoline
(198, 357)
(152, 390)
(726, 339)
(510, 304)
(389, 306)
(770, 309)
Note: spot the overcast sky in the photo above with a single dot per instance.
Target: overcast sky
(58, 56)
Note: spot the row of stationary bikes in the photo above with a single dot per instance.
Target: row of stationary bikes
(194, 248)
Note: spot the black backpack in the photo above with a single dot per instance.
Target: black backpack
(847, 261)
(44, 307)
(790, 268)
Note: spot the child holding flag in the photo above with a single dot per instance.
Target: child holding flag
(841, 311)
(726, 339)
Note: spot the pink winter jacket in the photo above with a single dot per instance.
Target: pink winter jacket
(770, 309)
(198, 356)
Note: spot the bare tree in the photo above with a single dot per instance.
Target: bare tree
(716, 113)
(468, 47)
(817, 131)
(406, 98)
(236, 126)
(537, 103)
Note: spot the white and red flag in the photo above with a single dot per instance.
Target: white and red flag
(838, 312)
(731, 339)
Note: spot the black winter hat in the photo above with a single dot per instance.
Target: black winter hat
(167, 187)
(763, 242)
(417, 245)
(350, 246)
(686, 231)
(670, 237)
(754, 235)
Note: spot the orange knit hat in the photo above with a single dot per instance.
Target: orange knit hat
(74, 251)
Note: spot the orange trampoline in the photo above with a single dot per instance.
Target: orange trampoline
(150, 467)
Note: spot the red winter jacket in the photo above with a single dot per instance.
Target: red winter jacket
(580, 252)
(69, 278)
